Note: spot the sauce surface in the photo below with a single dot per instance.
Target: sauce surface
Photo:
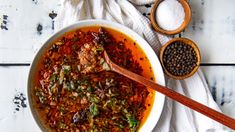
(72, 95)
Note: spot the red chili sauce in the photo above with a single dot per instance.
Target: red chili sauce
(68, 99)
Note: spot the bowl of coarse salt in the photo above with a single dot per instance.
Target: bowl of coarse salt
(170, 16)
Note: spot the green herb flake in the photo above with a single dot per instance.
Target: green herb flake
(132, 121)
(94, 109)
(53, 77)
(94, 99)
(84, 82)
(99, 49)
(66, 69)
(94, 129)
(62, 110)
(90, 89)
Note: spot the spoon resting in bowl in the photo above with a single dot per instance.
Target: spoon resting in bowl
(93, 62)
(203, 109)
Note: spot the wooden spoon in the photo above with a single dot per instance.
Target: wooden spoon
(211, 113)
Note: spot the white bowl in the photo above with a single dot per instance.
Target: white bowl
(158, 103)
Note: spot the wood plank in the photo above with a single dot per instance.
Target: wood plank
(221, 83)
(27, 26)
(212, 28)
(13, 82)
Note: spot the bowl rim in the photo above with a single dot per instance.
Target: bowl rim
(187, 42)
(188, 15)
(159, 98)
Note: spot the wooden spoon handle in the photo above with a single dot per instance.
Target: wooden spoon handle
(211, 113)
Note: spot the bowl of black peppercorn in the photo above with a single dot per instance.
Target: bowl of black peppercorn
(180, 58)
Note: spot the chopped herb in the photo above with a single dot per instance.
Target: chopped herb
(94, 129)
(62, 109)
(94, 99)
(90, 89)
(66, 69)
(94, 109)
(84, 82)
(53, 77)
(132, 122)
(99, 49)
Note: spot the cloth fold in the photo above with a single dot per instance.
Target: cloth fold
(175, 117)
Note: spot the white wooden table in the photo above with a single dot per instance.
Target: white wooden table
(26, 24)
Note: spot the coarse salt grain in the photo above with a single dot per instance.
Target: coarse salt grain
(170, 14)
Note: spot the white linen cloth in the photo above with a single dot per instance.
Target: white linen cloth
(175, 117)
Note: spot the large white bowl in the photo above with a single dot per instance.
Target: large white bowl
(158, 103)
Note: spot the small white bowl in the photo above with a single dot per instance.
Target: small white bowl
(158, 103)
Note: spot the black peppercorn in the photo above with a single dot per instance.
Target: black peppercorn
(179, 58)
